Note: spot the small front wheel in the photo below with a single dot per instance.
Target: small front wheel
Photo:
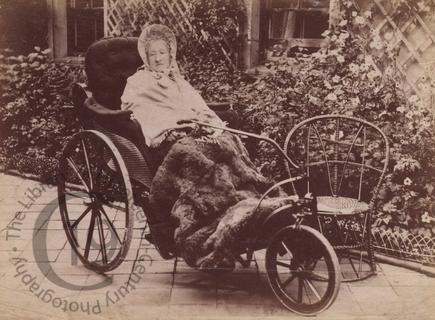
(303, 270)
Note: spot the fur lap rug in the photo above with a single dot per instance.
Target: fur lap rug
(211, 189)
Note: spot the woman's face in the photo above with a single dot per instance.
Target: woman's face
(158, 55)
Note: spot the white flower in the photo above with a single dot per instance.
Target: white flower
(354, 13)
(364, 67)
(342, 23)
(425, 218)
(407, 181)
(388, 35)
(327, 84)
(343, 36)
(313, 99)
(401, 109)
(359, 20)
(376, 43)
(340, 134)
(340, 58)
(331, 97)
(353, 67)
(372, 75)
(355, 101)
(413, 99)
(336, 79)
(367, 14)
(389, 71)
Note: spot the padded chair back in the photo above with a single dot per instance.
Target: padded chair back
(108, 64)
(342, 156)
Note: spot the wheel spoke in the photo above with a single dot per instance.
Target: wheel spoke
(317, 277)
(287, 249)
(85, 152)
(313, 265)
(73, 166)
(300, 288)
(75, 195)
(110, 224)
(287, 282)
(90, 234)
(283, 264)
(313, 288)
(102, 239)
(114, 206)
(76, 222)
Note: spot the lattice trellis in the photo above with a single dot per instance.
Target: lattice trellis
(407, 246)
(173, 13)
(414, 38)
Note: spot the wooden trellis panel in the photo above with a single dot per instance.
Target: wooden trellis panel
(173, 13)
(414, 38)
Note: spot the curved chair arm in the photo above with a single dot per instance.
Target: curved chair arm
(88, 108)
(102, 113)
(247, 134)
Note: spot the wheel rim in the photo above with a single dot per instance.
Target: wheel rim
(95, 201)
(303, 270)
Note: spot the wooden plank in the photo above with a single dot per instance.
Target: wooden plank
(183, 14)
(381, 25)
(425, 28)
(171, 12)
(106, 9)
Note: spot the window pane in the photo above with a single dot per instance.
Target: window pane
(283, 25)
(284, 4)
(316, 4)
(298, 24)
(98, 4)
(82, 4)
(314, 23)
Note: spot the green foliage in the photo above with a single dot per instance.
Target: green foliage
(23, 24)
(35, 128)
(216, 25)
(342, 79)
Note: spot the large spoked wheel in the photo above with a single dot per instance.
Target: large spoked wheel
(95, 201)
(303, 270)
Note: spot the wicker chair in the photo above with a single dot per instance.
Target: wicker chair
(345, 160)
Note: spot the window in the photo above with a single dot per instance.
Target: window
(294, 23)
(85, 24)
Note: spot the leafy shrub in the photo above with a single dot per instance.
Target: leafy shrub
(342, 79)
(34, 126)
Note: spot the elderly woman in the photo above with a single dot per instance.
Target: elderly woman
(158, 94)
(208, 187)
